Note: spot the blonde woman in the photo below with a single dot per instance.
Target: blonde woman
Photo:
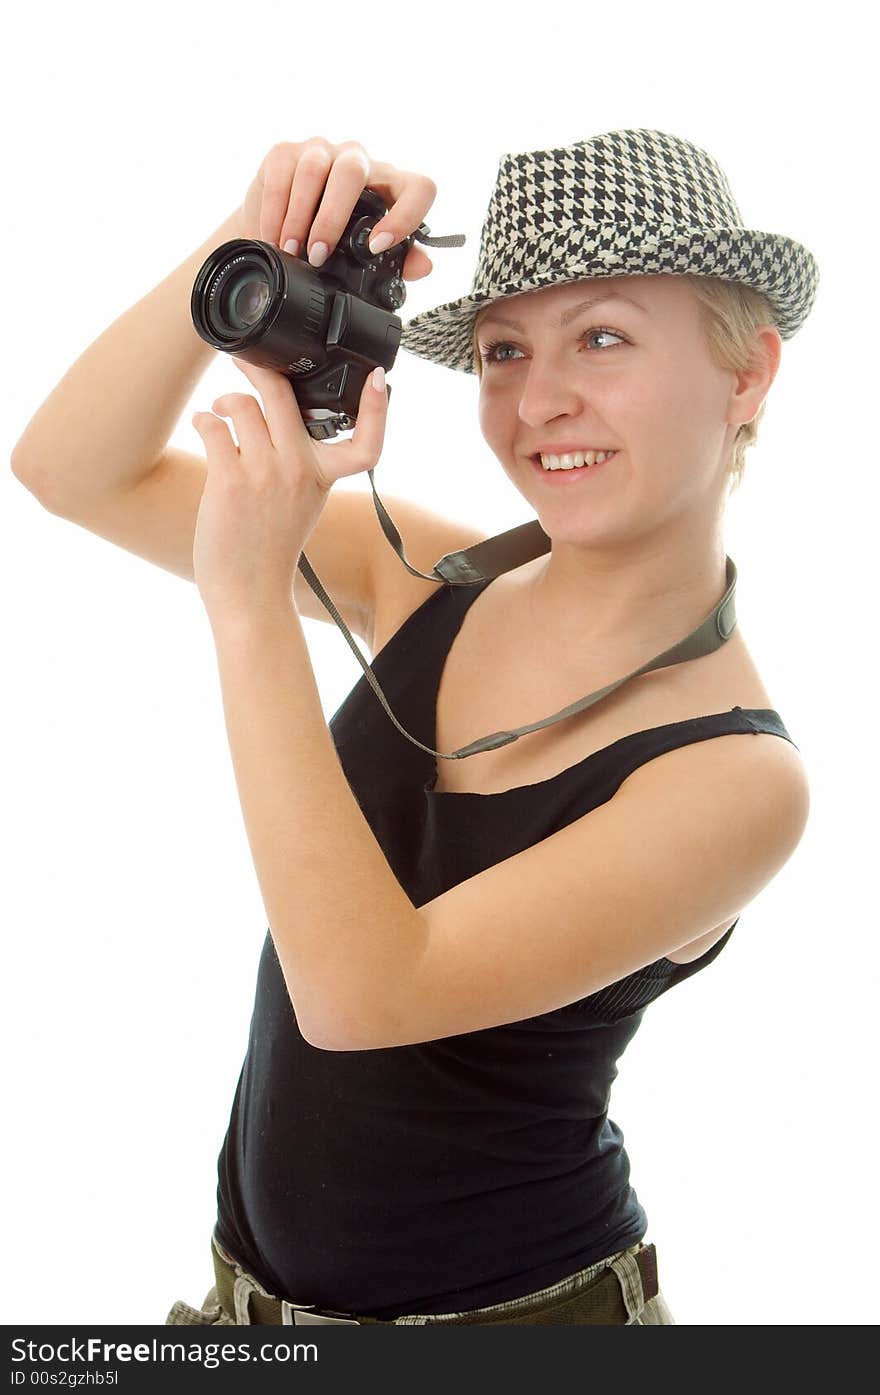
(465, 932)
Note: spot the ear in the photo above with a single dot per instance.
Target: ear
(753, 383)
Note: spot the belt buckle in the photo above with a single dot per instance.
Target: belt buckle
(293, 1315)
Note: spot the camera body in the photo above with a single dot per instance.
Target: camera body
(324, 328)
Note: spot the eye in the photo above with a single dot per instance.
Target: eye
(489, 352)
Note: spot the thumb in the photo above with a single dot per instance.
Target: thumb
(362, 451)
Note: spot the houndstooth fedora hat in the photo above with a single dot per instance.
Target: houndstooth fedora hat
(625, 203)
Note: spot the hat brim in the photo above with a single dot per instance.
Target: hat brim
(782, 269)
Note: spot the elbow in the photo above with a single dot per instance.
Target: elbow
(20, 469)
(336, 1030)
(321, 1039)
(332, 1045)
(363, 1035)
(357, 1016)
(29, 477)
(322, 1042)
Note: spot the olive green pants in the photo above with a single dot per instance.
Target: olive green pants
(640, 1313)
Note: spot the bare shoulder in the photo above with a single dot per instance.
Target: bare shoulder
(763, 776)
(426, 537)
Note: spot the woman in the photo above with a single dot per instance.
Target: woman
(447, 1156)
(461, 949)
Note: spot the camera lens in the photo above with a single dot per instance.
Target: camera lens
(237, 293)
(238, 298)
(244, 299)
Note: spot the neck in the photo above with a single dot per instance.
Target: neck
(614, 603)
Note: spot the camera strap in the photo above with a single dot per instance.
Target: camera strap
(421, 234)
(491, 558)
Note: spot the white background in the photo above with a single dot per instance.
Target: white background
(131, 912)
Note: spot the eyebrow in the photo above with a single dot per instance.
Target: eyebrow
(569, 315)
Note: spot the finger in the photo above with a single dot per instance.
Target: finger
(363, 450)
(277, 175)
(346, 182)
(283, 416)
(220, 448)
(305, 190)
(408, 195)
(254, 440)
(416, 264)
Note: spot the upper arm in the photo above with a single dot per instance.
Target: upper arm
(351, 557)
(688, 840)
(156, 519)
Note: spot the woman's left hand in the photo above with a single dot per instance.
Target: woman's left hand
(263, 497)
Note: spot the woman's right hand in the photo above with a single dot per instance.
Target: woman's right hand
(295, 180)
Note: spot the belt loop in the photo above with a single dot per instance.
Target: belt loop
(242, 1291)
(630, 1279)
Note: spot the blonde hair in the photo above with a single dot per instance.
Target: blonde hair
(730, 313)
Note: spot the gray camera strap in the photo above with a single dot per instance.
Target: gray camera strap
(422, 232)
(487, 560)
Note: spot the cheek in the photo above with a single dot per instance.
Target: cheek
(663, 418)
(688, 395)
(495, 420)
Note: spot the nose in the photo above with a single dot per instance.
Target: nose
(547, 392)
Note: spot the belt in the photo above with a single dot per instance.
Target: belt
(614, 1296)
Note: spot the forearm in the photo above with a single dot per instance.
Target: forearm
(347, 936)
(109, 419)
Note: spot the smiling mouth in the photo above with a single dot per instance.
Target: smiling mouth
(569, 470)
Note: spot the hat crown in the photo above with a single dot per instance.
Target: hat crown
(638, 180)
(640, 177)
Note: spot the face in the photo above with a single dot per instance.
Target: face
(635, 377)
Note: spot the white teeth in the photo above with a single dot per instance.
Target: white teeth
(574, 459)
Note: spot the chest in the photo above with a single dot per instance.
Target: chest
(495, 678)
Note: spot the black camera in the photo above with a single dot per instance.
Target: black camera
(324, 328)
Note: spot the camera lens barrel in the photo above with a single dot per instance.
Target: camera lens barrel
(249, 298)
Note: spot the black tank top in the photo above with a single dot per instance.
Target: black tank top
(463, 1172)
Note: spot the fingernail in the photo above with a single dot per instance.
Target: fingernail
(318, 254)
(291, 246)
(381, 243)
(379, 379)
